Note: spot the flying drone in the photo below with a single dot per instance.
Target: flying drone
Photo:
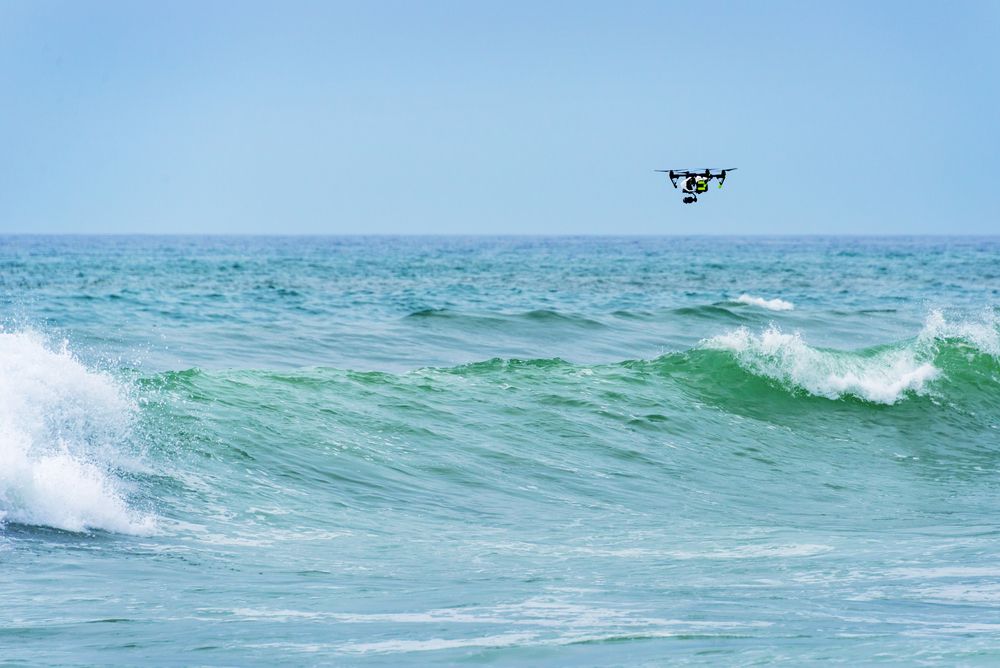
(694, 183)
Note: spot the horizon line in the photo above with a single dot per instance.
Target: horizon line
(274, 235)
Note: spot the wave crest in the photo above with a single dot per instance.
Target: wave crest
(883, 375)
(981, 334)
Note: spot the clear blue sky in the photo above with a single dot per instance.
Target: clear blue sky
(498, 117)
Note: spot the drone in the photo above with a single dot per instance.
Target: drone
(695, 182)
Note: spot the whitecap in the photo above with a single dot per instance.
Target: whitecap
(775, 304)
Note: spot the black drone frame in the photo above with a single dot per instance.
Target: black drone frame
(704, 176)
(708, 174)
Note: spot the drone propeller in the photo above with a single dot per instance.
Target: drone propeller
(688, 171)
(722, 175)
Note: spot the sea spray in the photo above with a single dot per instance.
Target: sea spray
(61, 425)
(981, 332)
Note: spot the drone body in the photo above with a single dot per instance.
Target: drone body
(694, 183)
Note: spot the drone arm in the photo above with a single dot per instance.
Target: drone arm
(670, 175)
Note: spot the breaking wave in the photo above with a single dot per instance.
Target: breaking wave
(61, 430)
(884, 374)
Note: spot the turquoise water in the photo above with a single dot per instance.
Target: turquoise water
(511, 451)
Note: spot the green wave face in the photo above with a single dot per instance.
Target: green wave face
(541, 409)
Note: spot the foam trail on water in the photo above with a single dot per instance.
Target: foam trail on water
(769, 304)
(61, 425)
(883, 377)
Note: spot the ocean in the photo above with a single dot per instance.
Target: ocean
(386, 451)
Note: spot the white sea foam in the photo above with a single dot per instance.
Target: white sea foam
(435, 644)
(536, 621)
(60, 428)
(770, 304)
(884, 377)
(981, 332)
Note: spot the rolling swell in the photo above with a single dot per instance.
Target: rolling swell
(536, 317)
(959, 359)
(712, 313)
